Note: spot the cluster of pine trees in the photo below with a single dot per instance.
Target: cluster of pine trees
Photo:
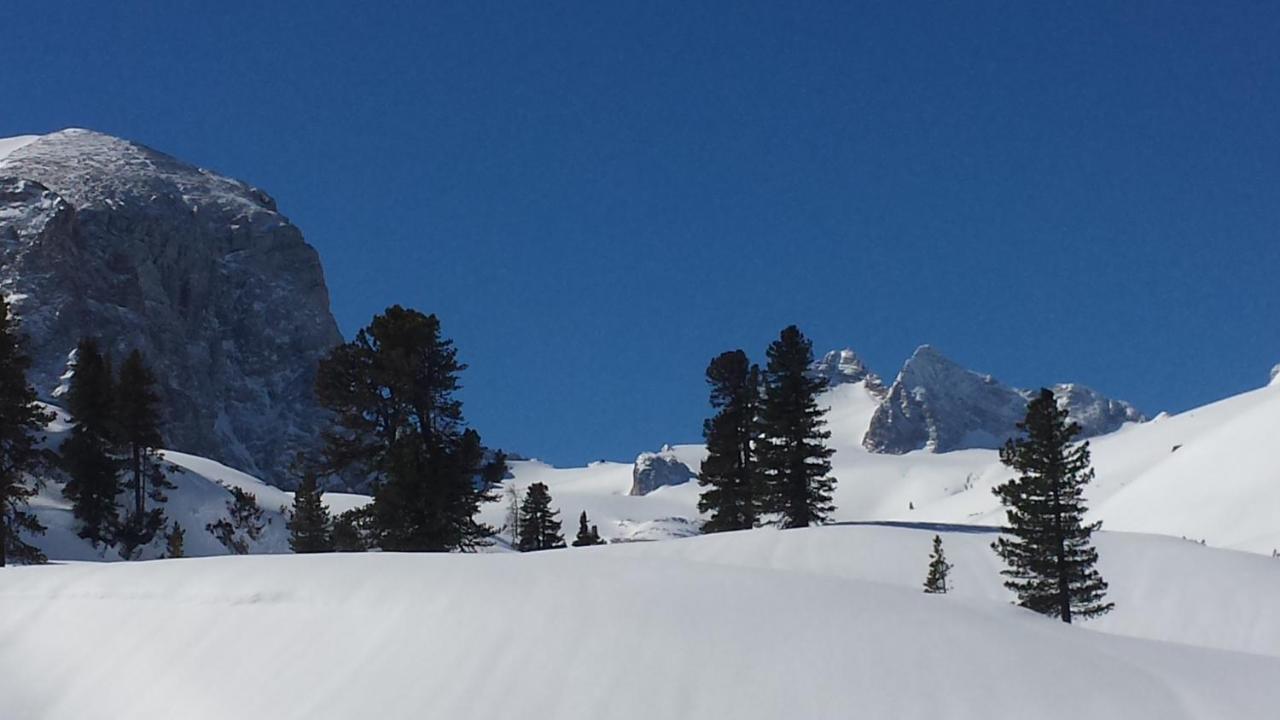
(21, 421)
(116, 480)
(767, 459)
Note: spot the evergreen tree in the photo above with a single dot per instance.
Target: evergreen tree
(391, 391)
(174, 540)
(138, 419)
(794, 461)
(728, 473)
(587, 534)
(1047, 545)
(242, 524)
(939, 569)
(21, 421)
(310, 529)
(91, 456)
(352, 530)
(539, 523)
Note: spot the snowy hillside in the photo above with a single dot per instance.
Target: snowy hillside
(819, 623)
(1210, 474)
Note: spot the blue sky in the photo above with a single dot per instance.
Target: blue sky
(596, 198)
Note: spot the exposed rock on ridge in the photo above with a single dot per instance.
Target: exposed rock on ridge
(100, 236)
(938, 405)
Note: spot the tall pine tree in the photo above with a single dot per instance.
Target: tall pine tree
(21, 420)
(794, 460)
(728, 473)
(310, 527)
(539, 523)
(137, 409)
(91, 456)
(1047, 545)
(391, 391)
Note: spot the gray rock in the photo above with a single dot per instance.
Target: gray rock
(840, 367)
(103, 237)
(654, 470)
(937, 405)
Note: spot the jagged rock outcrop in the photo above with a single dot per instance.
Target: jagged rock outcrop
(654, 470)
(100, 236)
(938, 405)
(840, 367)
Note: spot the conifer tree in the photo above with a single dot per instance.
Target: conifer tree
(1046, 545)
(351, 530)
(91, 455)
(242, 524)
(310, 528)
(794, 461)
(391, 391)
(137, 409)
(174, 541)
(729, 471)
(587, 534)
(21, 421)
(939, 569)
(539, 523)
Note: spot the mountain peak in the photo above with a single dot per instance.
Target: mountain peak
(841, 367)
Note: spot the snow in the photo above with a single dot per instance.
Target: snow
(9, 144)
(753, 625)
(1220, 484)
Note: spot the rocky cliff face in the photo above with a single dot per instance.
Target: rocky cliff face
(938, 405)
(103, 237)
(839, 367)
(654, 470)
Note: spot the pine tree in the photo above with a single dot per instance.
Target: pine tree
(391, 391)
(138, 418)
(539, 523)
(1047, 545)
(587, 534)
(794, 461)
(21, 421)
(728, 473)
(939, 569)
(173, 541)
(242, 524)
(352, 530)
(310, 528)
(91, 456)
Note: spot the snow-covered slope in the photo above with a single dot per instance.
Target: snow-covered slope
(750, 626)
(1221, 484)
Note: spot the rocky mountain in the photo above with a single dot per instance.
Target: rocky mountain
(103, 237)
(654, 470)
(938, 405)
(840, 367)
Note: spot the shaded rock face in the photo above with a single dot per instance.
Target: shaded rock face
(102, 237)
(654, 470)
(937, 405)
(840, 367)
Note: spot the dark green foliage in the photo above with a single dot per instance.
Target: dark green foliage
(391, 391)
(794, 461)
(173, 541)
(137, 408)
(939, 569)
(587, 534)
(310, 528)
(90, 455)
(21, 421)
(729, 473)
(539, 523)
(353, 530)
(242, 524)
(1047, 545)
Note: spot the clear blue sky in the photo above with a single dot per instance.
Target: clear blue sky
(597, 199)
